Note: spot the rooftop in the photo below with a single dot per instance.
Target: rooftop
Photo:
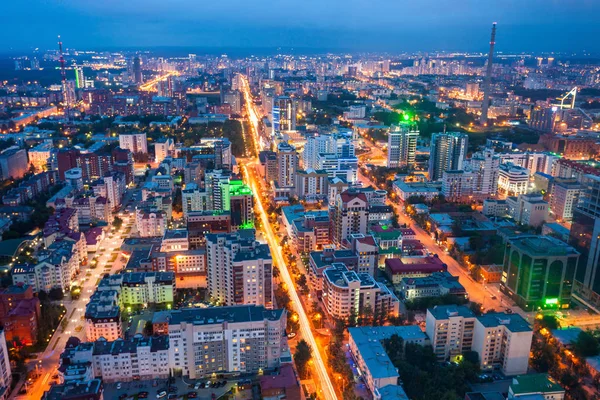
(513, 322)
(446, 311)
(120, 346)
(542, 246)
(368, 341)
(534, 383)
(566, 336)
(217, 315)
(73, 390)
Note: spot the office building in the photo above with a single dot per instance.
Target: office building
(311, 185)
(240, 269)
(5, 371)
(284, 115)
(512, 180)
(137, 142)
(347, 293)
(450, 329)
(564, 196)
(503, 341)
(206, 341)
(201, 223)
(448, 152)
(287, 164)
(402, 146)
(223, 156)
(539, 271)
(372, 361)
(350, 214)
(13, 163)
(528, 209)
(137, 70)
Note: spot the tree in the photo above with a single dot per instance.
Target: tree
(276, 272)
(302, 356)
(56, 294)
(549, 322)
(586, 345)
(148, 328)
(117, 223)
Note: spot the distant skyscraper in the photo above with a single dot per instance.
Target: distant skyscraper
(448, 151)
(402, 145)
(137, 70)
(79, 78)
(284, 115)
(585, 237)
(488, 78)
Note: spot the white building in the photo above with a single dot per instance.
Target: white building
(402, 145)
(457, 186)
(203, 341)
(40, 155)
(450, 329)
(346, 293)
(311, 184)
(371, 358)
(54, 272)
(150, 223)
(240, 269)
(137, 143)
(485, 167)
(141, 288)
(74, 178)
(512, 180)
(103, 316)
(5, 371)
(528, 209)
(503, 341)
(564, 196)
(495, 208)
(406, 190)
(194, 199)
(163, 149)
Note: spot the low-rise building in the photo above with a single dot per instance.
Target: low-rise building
(436, 284)
(535, 386)
(528, 209)
(141, 288)
(20, 313)
(370, 355)
(238, 339)
(412, 267)
(495, 208)
(347, 293)
(76, 390)
(281, 385)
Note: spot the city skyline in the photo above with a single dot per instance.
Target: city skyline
(327, 26)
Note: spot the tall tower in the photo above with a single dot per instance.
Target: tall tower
(137, 70)
(66, 93)
(488, 78)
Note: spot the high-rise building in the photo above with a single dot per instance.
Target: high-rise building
(485, 167)
(564, 195)
(240, 269)
(223, 157)
(402, 145)
(206, 341)
(350, 214)
(287, 163)
(137, 70)
(472, 90)
(13, 163)
(136, 142)
(193, 199)
(234, 99)
(241, 205)
(585, 237)
(448, 152)
(457, 186)
(284, 115)
(79, 78)
(539, 271)
(450, 329)
(512, 180)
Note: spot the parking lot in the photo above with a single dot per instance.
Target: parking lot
(181, 389)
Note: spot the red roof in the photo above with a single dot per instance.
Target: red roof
(421, 265)
(285, 379)
(348, 196)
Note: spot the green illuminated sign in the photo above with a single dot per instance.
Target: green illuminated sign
(553, 301)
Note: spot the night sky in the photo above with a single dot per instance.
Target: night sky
(377, 25)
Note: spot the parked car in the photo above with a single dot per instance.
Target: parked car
(119, 385)
(142, 395)
(161, 394)
(192, 395)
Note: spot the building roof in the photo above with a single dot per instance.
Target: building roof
(392, 392)
(217, 315)
(514, 322)
(452, 310)
(484, 396)
(284, 379)
(412, 265)
(368, 341)
(73, 390)
(534, 383)
(120, 346)
(542, 246)
(566, 336)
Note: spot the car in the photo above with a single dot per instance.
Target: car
(291, 335)
(172, 389)
(198, 385)
(172, 396)
(161, 394)
(192, 395)
(55, 376)
(142, 395)
(119, 385)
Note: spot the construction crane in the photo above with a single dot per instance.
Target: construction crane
(64, 79)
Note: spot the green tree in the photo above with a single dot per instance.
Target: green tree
(586, 345)
(117, 223)
(302, 356)
(549, 322)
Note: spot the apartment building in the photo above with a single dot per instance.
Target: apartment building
(349, 215)
(203, 341)
(150, 223)
(564, 196)
(450, 329)
(103, 316)
(141, 288)
(528, 209)
(240, 269)
(137, 143)
(503, 342)
(347, 293)
(5, 371)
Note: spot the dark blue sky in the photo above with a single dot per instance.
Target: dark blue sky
(379, 25)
